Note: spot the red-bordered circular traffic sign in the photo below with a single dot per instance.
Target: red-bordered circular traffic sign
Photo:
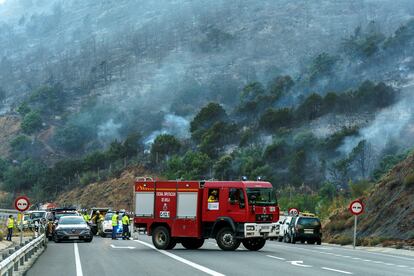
(22, 203)
(293, 211)
(356, 207)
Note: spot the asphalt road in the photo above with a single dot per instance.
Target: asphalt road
(107, 257)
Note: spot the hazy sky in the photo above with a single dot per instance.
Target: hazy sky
(2, 1)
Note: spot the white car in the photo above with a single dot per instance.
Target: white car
(284, 226)
(107, 225)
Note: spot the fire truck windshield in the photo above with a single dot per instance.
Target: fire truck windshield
(261, 196)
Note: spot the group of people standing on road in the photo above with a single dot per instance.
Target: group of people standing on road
(125, 226)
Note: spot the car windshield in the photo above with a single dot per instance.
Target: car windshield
(36, 215)
(71, 220)
(307, 222)
(108, 216)
(59, 215)
(261, 196)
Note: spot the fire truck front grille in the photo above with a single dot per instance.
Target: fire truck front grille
(263, 217)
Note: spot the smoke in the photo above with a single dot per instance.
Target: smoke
(109, 131)
(390, 124)
(172, 124)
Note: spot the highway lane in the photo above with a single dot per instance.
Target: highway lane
(108, 257)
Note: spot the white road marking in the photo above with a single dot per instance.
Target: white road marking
(184, 261)
(277, 258)
(298, 263)
(77, 260)
(336, 270)
(367, 260)
(122, 247)
(402, 266)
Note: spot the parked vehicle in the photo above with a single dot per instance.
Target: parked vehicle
(96, 225)
(54, 216)
(305, 228)
(107, 225)
(284, 226)
(188, 212)
(35, 218)
(72, 228)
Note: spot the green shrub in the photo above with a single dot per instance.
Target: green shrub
(31, 122)
(409, 180)
(342, 240)
(88, 177)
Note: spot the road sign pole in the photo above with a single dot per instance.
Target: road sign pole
(21, 228)
(355, 227)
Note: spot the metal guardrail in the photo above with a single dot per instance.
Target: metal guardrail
(11, 263)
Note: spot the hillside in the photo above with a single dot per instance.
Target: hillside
(116, 193)
(389, 209)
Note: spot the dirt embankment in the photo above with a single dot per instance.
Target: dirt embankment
(389, 213)
(116, 193)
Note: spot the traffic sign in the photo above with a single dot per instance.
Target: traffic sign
(22, 203)
(356, 207)
(293, 211)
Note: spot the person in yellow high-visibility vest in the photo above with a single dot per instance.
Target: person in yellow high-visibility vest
(125, 227)
(10, 226)
(114, 225)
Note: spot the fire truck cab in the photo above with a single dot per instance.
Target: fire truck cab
(188, 212)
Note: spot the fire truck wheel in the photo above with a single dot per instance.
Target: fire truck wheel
(226, 239)
(192, 243)
(161, 238)
(254, 244)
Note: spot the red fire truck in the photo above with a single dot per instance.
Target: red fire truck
(188, 212)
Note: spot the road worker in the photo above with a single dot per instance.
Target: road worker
(86, 217)
(114, 224)
(125, 227)
(10, 226)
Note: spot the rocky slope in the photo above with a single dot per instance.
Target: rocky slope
(389, 209)
(116, 193)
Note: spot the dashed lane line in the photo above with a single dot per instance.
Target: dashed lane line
(274, 257)
(77, 260)
(355, 258)
(337, 270)
(182, 260)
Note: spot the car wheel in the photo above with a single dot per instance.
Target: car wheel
(254, 244)
(319, 242)
(56, 239)
(191, 243)
(302, 241)
(226, 239)
(161, 238)
(311, 241)
(89, 240)
(279, 239)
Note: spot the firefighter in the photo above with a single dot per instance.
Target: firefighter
(97, 219)
(213, 196)
(125, 227)
(10, 226)
(114, 224)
